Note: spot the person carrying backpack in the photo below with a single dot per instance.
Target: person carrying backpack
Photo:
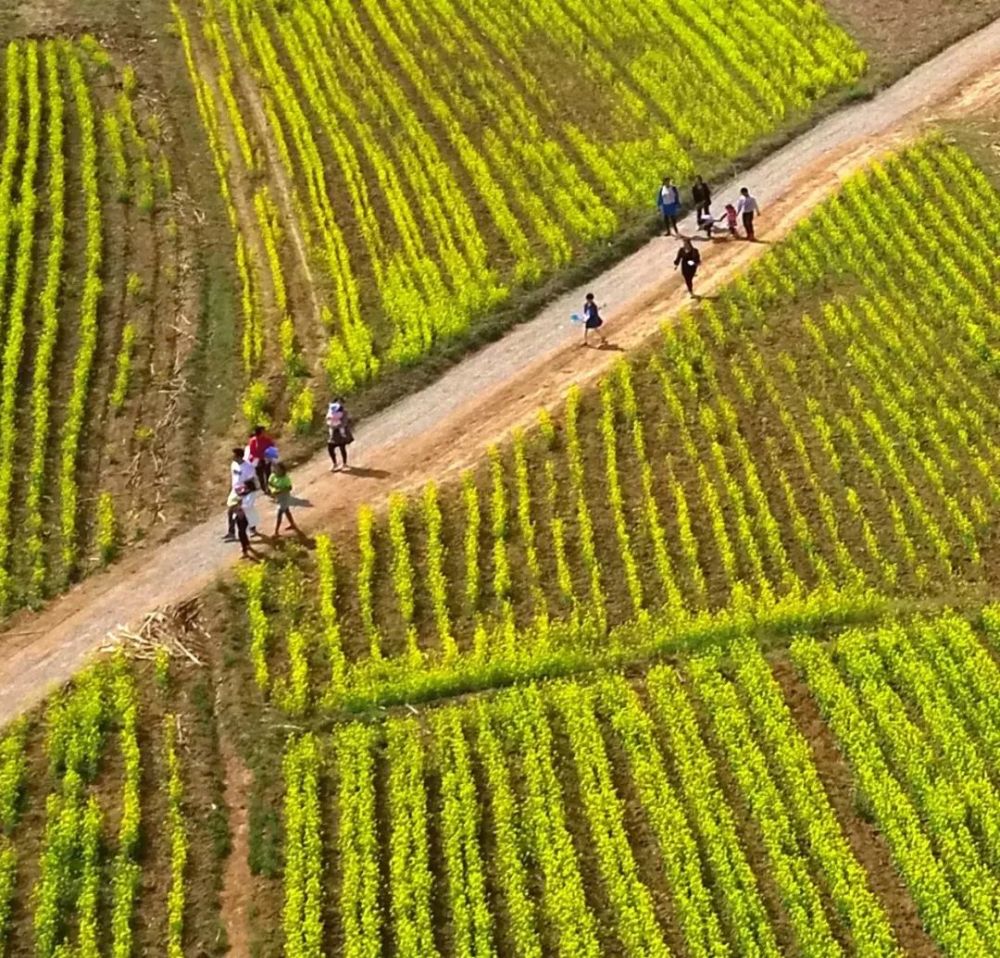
(339, 432)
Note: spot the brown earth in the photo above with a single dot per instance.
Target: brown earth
(443, 428)
(901, 33)
(237, 881)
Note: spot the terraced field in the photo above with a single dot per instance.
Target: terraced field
(734, 804)
(384, 204)
(674, 672)
(91, 252)
(822, 434)
(705, 662)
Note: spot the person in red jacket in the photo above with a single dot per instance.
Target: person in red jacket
(259, 443)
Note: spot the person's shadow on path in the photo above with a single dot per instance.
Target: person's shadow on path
(362, 472)
(289, 535)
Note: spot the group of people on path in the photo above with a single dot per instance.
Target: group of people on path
(256, 468)
(668, 202)
(688, 258)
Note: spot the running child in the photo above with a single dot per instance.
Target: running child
(280, 486)
(592, 320)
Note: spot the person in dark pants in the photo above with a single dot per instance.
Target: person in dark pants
(592, 320)
(258, 445)
(339, 433)
(702, 197)
(240, 522)
(668, 201)
(240, 471)
(748, 208)
(688, 259)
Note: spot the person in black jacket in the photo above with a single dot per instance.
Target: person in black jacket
(702, 197)
(688, 259)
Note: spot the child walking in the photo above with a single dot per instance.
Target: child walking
(730, 219)
(592, 320)
(280, 487)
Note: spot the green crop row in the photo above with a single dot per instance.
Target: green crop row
(770, 452)
(691, 808)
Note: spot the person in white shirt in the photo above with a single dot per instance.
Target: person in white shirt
(748, 207)
(240, 472)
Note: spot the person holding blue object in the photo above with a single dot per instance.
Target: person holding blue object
(592, 320)
(668, 201)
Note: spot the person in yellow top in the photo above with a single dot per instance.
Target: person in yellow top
(280, 487)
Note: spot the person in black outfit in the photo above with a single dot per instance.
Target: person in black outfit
(702, 197)
(688, 259)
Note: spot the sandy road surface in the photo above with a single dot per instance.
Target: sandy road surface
(444, 427)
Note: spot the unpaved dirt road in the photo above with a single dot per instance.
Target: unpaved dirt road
(444, 427)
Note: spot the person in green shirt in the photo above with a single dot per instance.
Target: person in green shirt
(280, 487)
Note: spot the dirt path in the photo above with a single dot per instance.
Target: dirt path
(238, 881)
(444, 427)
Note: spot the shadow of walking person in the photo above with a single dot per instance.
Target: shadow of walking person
(361, 472)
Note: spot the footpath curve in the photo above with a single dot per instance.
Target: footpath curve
(443, 428)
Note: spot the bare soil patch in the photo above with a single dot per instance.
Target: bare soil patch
(899, 34)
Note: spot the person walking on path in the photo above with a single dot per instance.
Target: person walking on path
(592, 320)
(241, 508)
(688, 259)
(339, 433)
(748, 208)
(248, 499)
(668, 200)
(702, 197)
(280, 486)
(240, 471)
(256, 453)
(730, 217)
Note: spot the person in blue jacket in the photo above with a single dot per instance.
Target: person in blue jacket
(668, 201)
